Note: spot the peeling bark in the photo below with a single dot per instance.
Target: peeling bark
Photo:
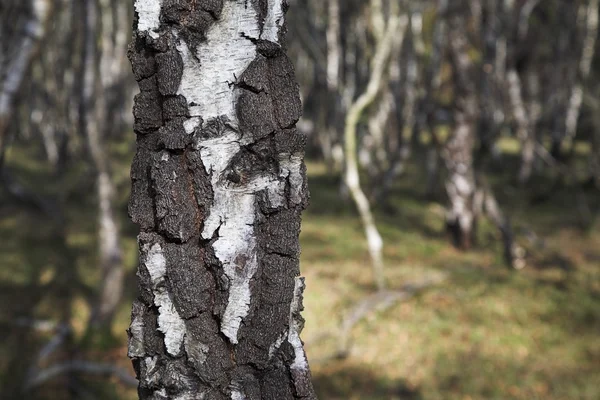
(218, 185)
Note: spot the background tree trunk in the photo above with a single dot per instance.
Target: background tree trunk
(94, 121)
(458, 152)
(218, 188)
(22, 25)
(352, 178)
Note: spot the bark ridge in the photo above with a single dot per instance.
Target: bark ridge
(218, 186)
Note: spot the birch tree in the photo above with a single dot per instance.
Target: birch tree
(218, 185)
(396, 25)
(458, 152)
(588, 13)
(22, 25)
(101, 69)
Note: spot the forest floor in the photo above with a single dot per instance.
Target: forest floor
(485, 332)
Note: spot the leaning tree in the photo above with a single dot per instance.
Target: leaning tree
(218, 185)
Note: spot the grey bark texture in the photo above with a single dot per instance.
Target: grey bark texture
(217, 191)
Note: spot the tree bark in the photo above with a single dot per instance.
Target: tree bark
(218, 186)
(458, 152)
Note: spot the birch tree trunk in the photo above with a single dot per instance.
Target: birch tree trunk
(404, 102)
(432, 84)
(458, 152)
(218, 187)
(589, 13)
(21, 29)
(395, 26)
(524, 132)
(493, 43)
(94, 119)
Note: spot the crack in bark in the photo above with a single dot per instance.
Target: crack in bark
(193, 156)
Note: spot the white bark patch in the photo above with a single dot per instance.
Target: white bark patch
(152, 375)
(237, 395)
(191, 124)
(156, 264)
(273, 21)
(160, 394)
(136, 342)
(293, 167)
(170, 322)
(276, 345)
(150, 363)
(233, 214)
(190, 396)
(148, 12)
(462, 185)
(300, 362)
(224, 55)
(197, 352)
(206, 85)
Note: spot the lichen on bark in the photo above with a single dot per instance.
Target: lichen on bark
(218, 186)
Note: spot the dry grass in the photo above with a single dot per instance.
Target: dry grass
(485, 333)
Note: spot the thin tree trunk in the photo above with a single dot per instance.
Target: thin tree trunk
(334, 50)
(427, 108)
(218, 187)
(458, 153)
(17, 54)
(492, 78)
(94, 114)
(590, 15)
(352, 178)
(525, 118)
(405, 110)
(524, 132)
(329, 136)
(487, 203)
(564, 77)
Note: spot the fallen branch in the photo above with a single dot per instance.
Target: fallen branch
(377, 302)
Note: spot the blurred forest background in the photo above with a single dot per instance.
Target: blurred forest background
(451, 247)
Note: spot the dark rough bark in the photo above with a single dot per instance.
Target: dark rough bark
(218, 315)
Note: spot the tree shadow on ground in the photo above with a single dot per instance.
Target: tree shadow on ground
(472, 373)
(354, 382)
